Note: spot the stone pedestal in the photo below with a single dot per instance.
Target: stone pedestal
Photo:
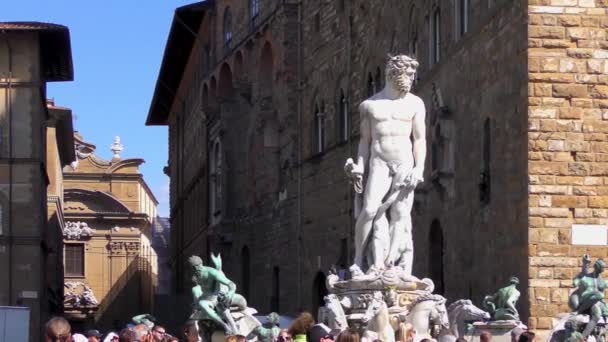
(376, 305)
(500, 330)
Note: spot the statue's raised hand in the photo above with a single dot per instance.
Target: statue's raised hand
(586, 259)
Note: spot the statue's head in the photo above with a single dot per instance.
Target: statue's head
(273, 318)
(514, 281)
(197, 263)
(400, 72)
(599, 266)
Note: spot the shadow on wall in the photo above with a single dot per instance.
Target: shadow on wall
(129, 296)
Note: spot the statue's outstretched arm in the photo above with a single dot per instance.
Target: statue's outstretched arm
(221, 278)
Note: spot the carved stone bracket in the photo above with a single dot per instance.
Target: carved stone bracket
(77, 230)
(79, 295)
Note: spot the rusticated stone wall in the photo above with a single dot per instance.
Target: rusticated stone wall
(567, 144)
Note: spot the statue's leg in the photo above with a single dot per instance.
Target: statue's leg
(209, 310)
(378, 184)
(402, 245)
(596, 313)
(381, 239)
(573, 301)
(239, 301)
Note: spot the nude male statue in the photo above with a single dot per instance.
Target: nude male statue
(392, 150)
(214, 294)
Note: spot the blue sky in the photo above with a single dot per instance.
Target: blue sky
(117, 47)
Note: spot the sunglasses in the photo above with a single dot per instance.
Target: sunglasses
(328, 337)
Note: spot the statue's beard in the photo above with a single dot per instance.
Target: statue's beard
(402, 84)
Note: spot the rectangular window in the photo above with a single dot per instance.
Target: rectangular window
(436, 36)
(74, 260)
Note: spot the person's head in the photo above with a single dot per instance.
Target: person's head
(348, 335)
(57, 329)
(236, 338)
(320, 333)
(284, 336)
(111, 337)
(127, 335)
(158, 332)
(93, 335)
(599, 266)
(461, 339)
(515, 333)
(301, 324)
(191, 331)
(400, 72)
(425, 340)
(527, 336)
(485, 336)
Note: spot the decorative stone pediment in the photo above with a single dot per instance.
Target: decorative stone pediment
(90, 201)
(77, 231)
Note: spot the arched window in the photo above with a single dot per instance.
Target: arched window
(205, 97)
(266, 67)
(225, 87)
(227, 28)
(215, 193)
(319, 292)
(245, 271)
(254, 12)
(319, 143)
(461, 17)
(276, 285)
(370, 85)
(436, 36)
(436, 253)
(344, 119)
(378, 80)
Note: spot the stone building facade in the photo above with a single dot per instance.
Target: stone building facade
(262, 114)
(110, 266)
(567, 146)
(32, 148)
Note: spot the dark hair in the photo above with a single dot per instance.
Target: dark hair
(461, 339)
(527, 336)
(425, 340)
(485, 336)
(301, 324)
(348, 335)
(127, 335)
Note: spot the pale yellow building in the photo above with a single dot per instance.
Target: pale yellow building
(110, 267)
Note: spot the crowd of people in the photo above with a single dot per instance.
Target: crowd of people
(302, 329)
(58, 329)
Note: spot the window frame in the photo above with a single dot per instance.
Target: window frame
(83, 260)
(435, 35)
(319, 127)
(344, 118)
(227, 28)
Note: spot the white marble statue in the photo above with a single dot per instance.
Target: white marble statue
(391, 155)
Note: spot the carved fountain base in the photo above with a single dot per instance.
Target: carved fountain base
(375, 305)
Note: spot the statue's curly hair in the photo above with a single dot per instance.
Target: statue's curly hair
(398, 64)
(195, 260)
